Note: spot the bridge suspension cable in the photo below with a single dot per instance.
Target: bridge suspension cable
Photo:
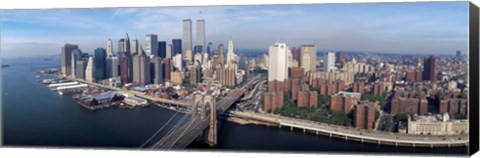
(207, 111)
(160, 129)
(170, 132)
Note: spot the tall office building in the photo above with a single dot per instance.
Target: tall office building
(188, 56)
(230, 53)
(136, 68)
(112, 67)
(111, 70)
(429, 69)
(128, 57)
(129, 66)
(197, 59)
(197, 49)
(151, 45)
(220, 54)
(169, 51)
(210, 49)
(135, 47)
(124, 70)
(177, 62)
(126, 44)
(201, 34)
(109, 48)
(100, 64)
(305, 59)
(187, 35)
(141, 68)
(296, 54)
(161, 49)
(277, 61)
(194, 72)
(329, 61)
(311, 52)
(66, 59)
(458, 54)
(167, 69)
(90, 70)
(121, 45)
(341, 58)
(158, 70)
(177, 47)
(76, 55)
(81, 65)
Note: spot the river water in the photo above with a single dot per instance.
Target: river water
(35, 116)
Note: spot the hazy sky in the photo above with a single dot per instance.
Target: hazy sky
(428, 27)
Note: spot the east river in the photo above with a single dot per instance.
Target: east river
(35, 116)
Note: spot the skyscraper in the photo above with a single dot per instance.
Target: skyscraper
(121, 45)
(66, 59)
(167, 68)
(177, 47)
(90, 70)
(230, 53)
(151, 45)
(81, 65)
(126, 47)
(112, 67)
(220, 54)
(458, 54)
(76, 55)
(177, 62)
(329, 61)
(210, 49)
(109, 48)
(124, 70)
(135, 47)
(158, 70)
(128, 58)
(162, 49)
(201, 34)
(296, 54)
(100, 64)
(305, 59)
(341, 58)
(311, 51)
(141, 68)
(187, 35)
(429, 69)
(197, 49)
(194, 72)
(277, 61)
(169, 51)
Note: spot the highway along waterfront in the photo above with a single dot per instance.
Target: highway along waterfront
(33, 115)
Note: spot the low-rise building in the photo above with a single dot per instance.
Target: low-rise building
(436, 125)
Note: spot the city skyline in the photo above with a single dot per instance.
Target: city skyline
(295, 68)
(430, 28)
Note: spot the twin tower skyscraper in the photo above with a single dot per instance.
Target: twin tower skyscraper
(187, 36)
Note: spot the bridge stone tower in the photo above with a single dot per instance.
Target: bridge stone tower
(208, 107)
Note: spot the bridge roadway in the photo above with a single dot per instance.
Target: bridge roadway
(139, 94)
(184, 135)
(349, 133)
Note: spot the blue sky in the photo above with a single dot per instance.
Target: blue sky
(427, 27)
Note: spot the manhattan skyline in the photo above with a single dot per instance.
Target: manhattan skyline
(430, 27)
